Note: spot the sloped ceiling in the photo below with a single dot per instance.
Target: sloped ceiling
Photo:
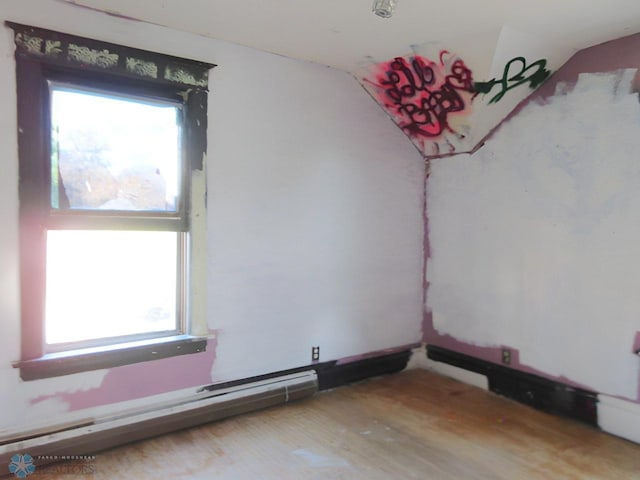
(447, 72)
(345, 34)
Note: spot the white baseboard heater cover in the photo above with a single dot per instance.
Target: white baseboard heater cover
(205, 406)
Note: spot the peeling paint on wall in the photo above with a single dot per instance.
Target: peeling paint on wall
(141, 380)
(533, 242)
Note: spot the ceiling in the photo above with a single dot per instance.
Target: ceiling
(345, 34)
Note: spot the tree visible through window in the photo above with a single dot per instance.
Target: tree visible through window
(124, 156)
(109, 139)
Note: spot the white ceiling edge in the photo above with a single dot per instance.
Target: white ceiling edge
(348, 36)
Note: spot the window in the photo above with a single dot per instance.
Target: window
(111, 147)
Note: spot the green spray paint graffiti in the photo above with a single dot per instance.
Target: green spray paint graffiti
(516, 72)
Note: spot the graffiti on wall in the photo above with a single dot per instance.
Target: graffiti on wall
(516, 72)
(435, 100)
(424, 96)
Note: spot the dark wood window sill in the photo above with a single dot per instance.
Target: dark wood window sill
(87, 359)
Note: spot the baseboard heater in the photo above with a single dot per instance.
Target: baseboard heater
(93, 435)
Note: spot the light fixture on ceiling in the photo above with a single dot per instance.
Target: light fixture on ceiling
(384, 8)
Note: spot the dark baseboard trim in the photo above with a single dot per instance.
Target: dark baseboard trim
(538, 392)
(333, 374)
(336, 375)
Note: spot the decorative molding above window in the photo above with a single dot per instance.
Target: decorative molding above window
(94, 55)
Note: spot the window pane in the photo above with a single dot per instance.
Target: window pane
(113, 153)
(110, 283)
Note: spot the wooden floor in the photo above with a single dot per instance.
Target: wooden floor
(414, 424)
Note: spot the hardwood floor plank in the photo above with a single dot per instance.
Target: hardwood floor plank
(414, 424)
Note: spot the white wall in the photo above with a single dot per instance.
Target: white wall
(315, 212)
(314, 218)
(535, 239)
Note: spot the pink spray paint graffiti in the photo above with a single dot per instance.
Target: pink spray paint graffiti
(423, 97)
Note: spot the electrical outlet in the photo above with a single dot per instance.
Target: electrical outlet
(506, 356)
(315, 354)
